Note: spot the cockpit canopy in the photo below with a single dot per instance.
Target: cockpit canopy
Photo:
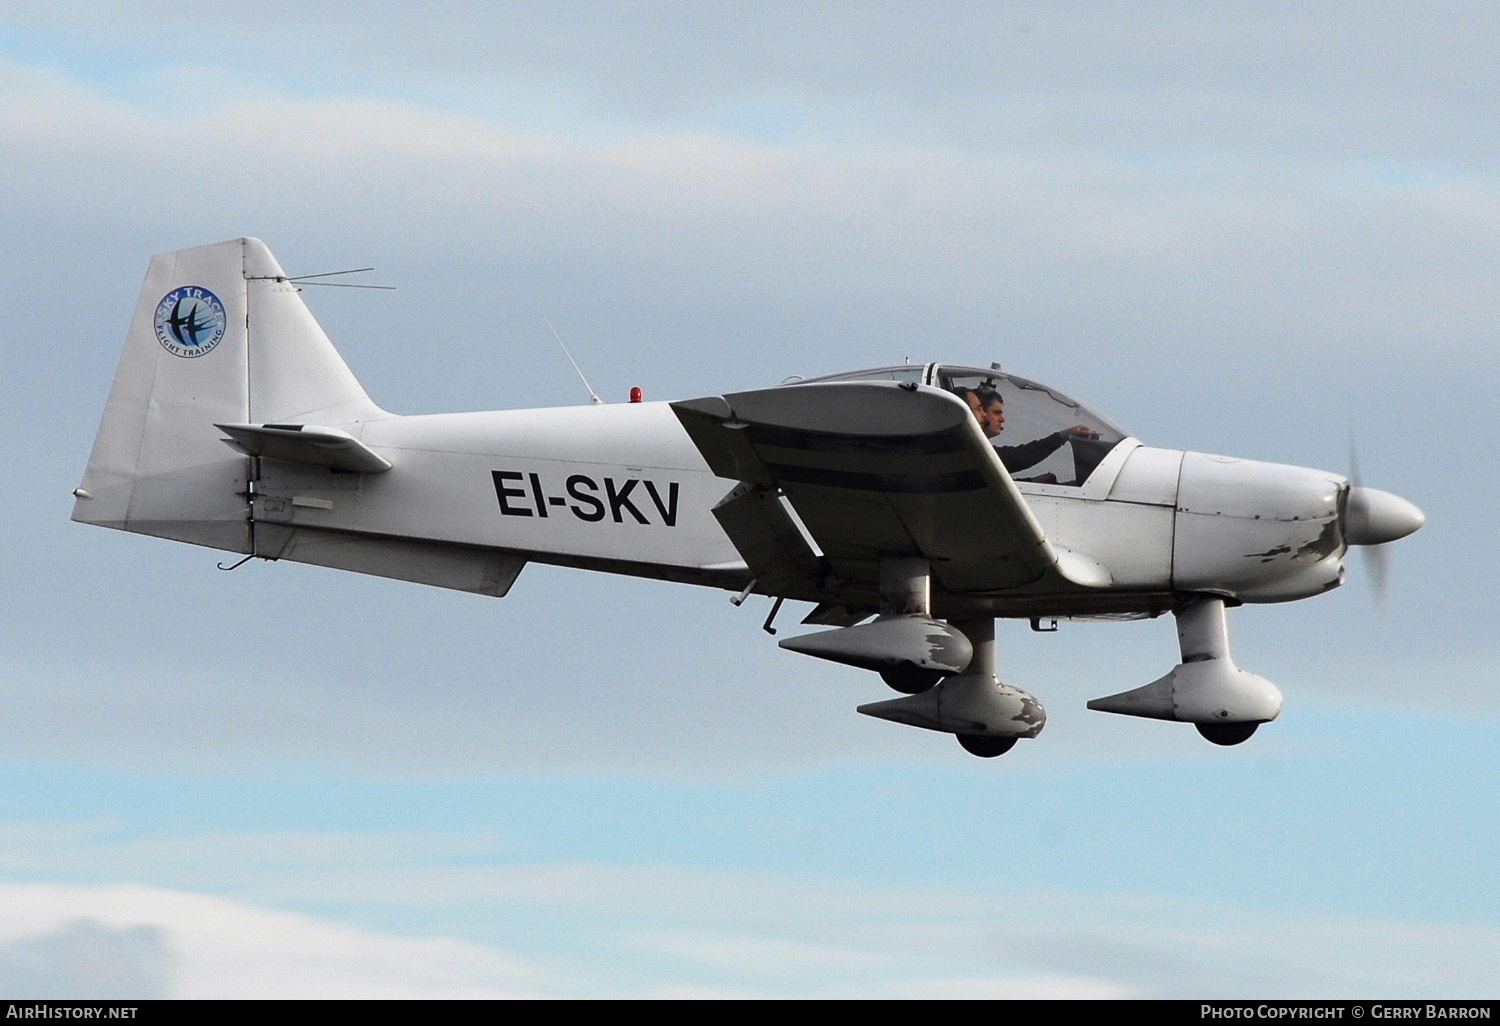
(1041, 435)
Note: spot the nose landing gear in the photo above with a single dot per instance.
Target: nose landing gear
(1206, 689)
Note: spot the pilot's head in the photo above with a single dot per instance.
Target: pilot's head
(988, 407)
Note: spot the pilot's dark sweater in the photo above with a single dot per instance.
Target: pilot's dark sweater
(1029, 454)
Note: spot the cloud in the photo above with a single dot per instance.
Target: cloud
(1038, 988)
(929, 226)
(643, 931)
(1371, 80)
(83, 958)
(136, 942)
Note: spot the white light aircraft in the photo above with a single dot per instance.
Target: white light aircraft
(911, 505)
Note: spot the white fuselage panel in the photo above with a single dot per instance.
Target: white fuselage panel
(608, 482)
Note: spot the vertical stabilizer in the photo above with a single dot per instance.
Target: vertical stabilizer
(218, 336)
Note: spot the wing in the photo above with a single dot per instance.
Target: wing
(880, 470)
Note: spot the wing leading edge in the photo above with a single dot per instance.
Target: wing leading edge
(875, 471)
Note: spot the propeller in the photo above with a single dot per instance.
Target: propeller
(1373, 519)
(1377, 564)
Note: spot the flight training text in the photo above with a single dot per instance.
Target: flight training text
(634, 500)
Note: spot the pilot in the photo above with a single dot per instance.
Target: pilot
(989, 409)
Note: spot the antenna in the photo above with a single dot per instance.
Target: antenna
(594, 399)
(305, 279)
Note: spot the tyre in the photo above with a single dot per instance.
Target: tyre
(984, 746)
(1226, 733)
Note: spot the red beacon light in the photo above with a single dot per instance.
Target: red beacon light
(636, 395)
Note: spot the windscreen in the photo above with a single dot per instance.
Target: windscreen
(1040, 434)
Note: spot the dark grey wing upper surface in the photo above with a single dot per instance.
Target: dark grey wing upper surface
(877, 470)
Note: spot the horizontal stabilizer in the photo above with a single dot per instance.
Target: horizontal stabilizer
(304, 443)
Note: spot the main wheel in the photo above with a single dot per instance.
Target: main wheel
(911, 680)
(984, 746)
(1226, 733)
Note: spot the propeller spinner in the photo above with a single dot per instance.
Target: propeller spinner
(1373, 518)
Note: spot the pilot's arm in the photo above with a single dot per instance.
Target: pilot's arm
(1022, 457)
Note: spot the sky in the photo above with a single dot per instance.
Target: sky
(1256, 228)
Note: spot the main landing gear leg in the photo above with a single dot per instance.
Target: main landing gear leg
(981, 634)
(986, 715)
(906, 590)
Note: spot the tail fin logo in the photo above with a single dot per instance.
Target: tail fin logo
(190, 321)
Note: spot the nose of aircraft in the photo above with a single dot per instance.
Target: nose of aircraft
(1375, 517)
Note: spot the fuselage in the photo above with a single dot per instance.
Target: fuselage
(621, 487)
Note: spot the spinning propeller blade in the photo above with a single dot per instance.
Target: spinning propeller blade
(1372, 518)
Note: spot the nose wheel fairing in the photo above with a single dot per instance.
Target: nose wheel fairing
(1206, 688)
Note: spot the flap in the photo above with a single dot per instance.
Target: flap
(305, 443)
(774, 550)
(880, 470)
